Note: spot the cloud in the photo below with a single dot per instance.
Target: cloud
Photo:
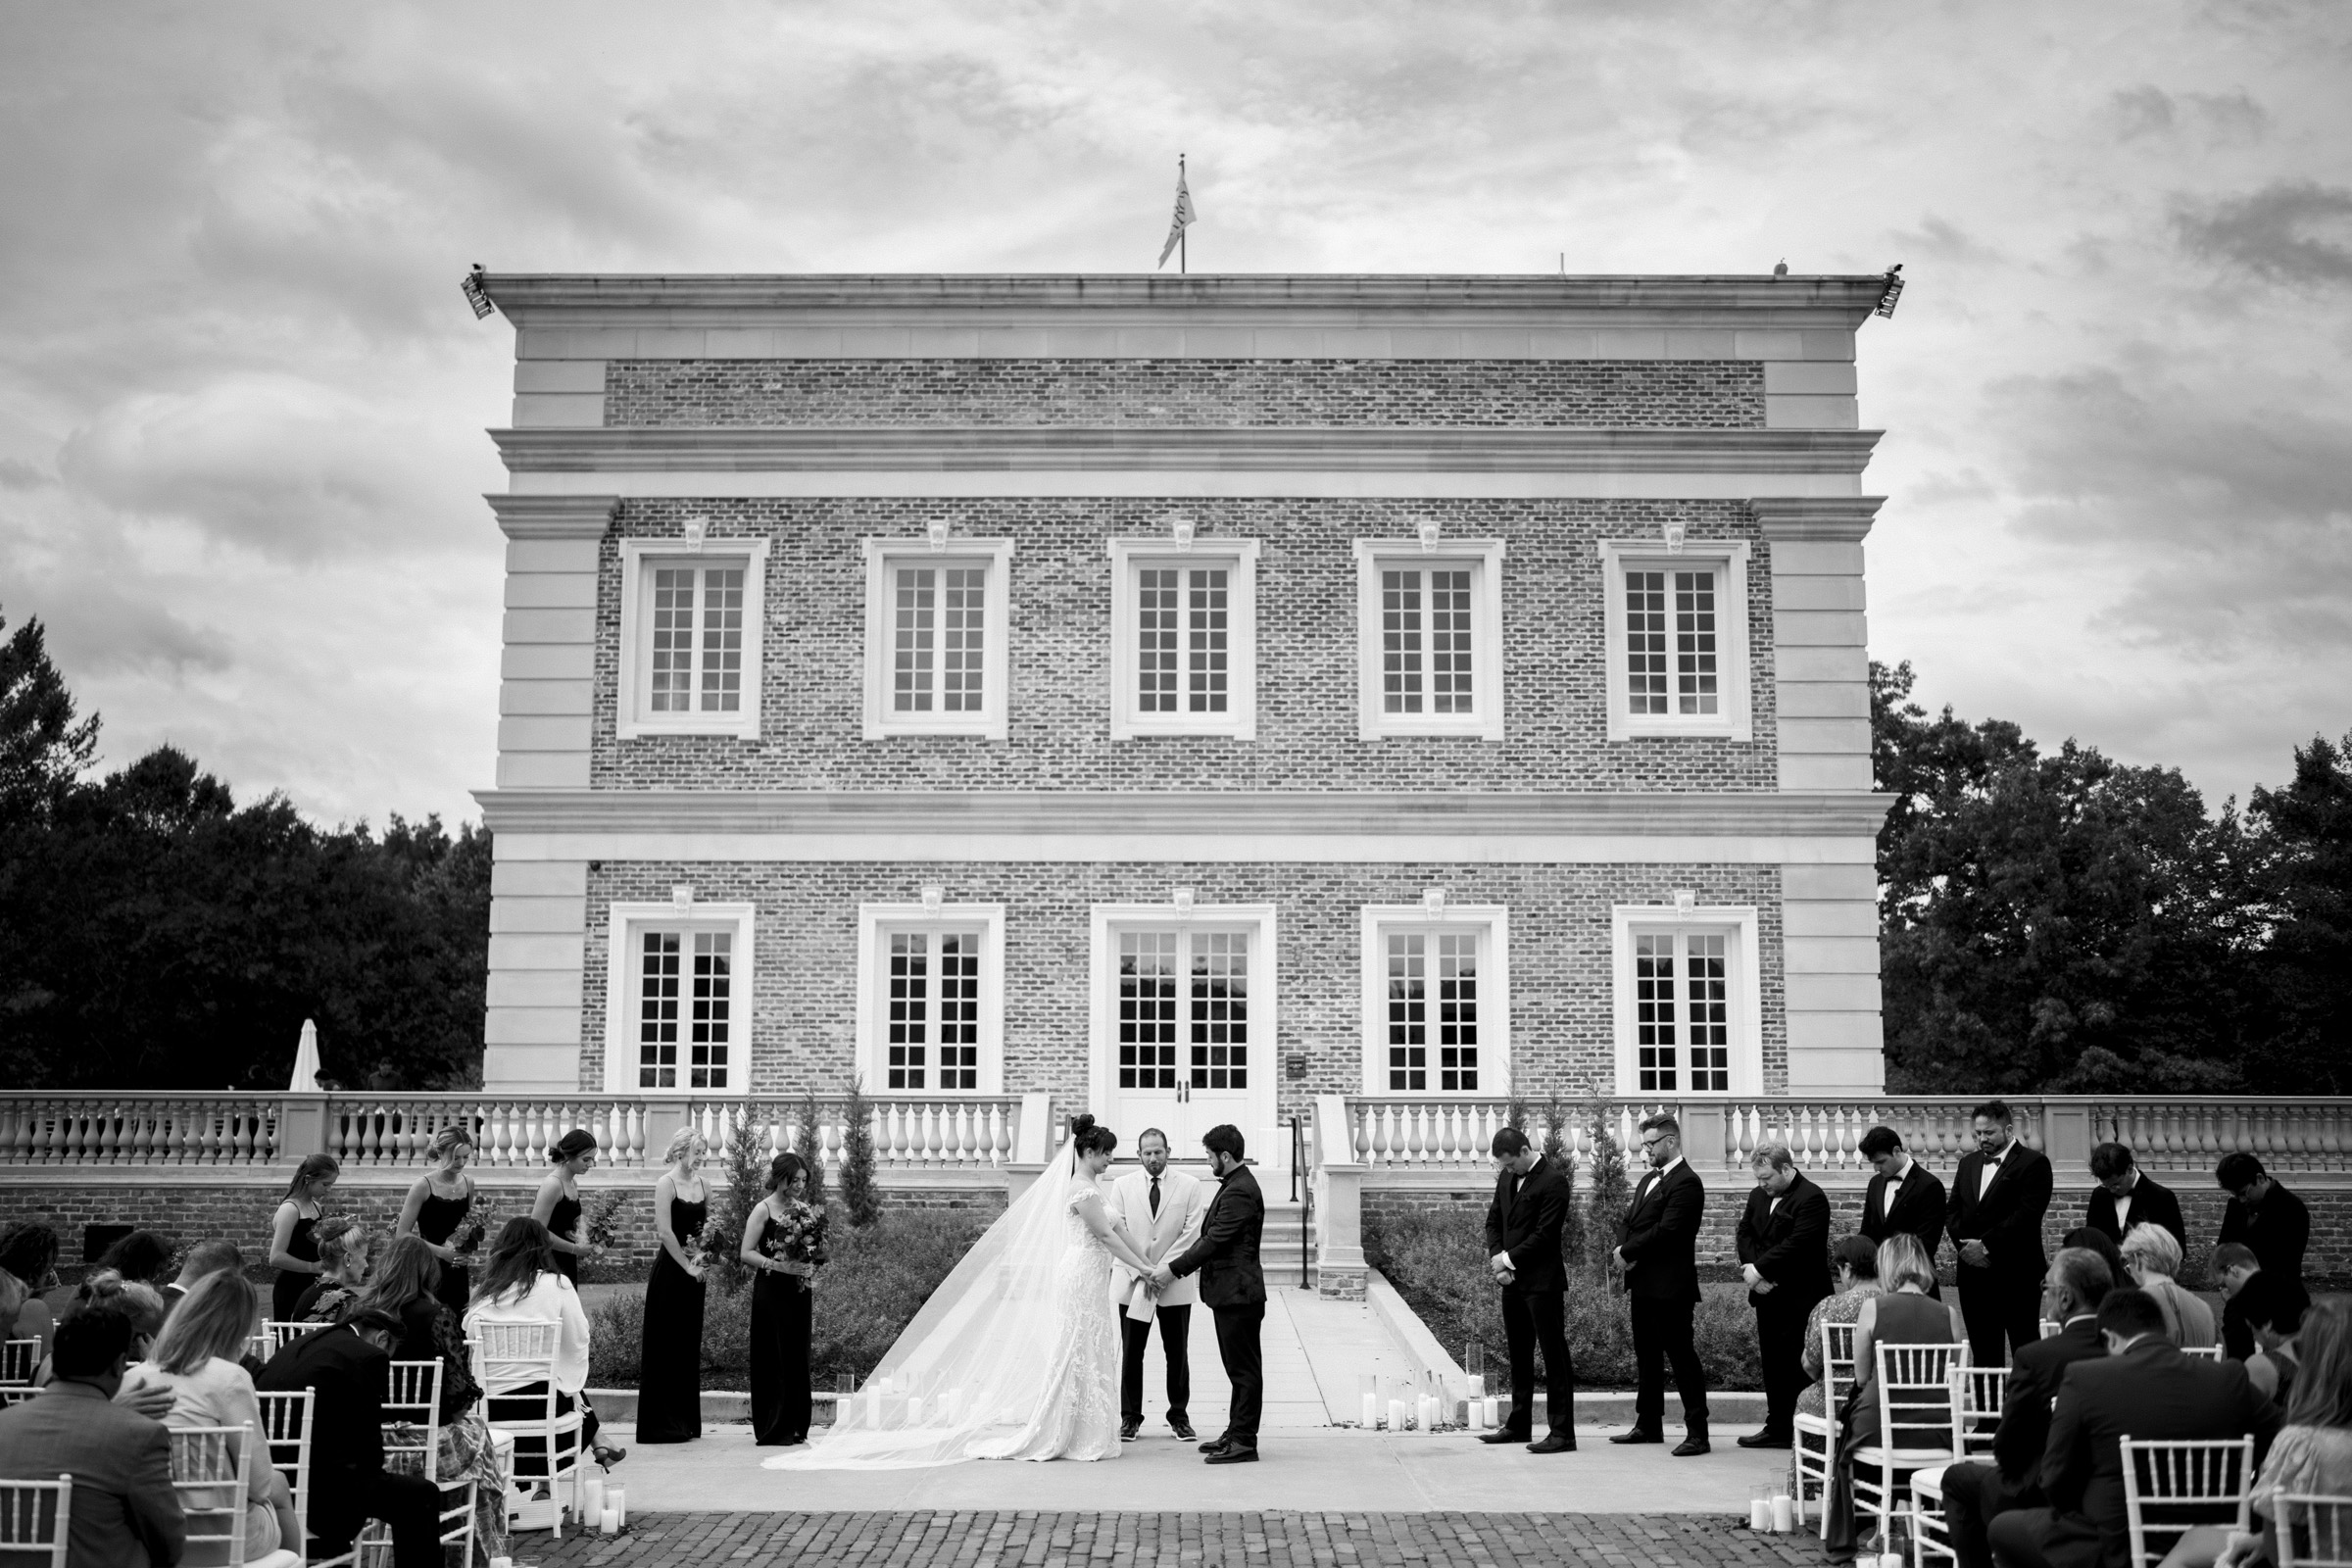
(2219, 119)
(2294, 231)
(17, 474)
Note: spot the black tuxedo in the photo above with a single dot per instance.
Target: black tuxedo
(1919, 1208)
(1659, 1241)
(348, 1379)
(2151, 1205)
(1234, 1288)
(2279, 1229)
(1975, 1494)
(2150, 1391)
(1789, 1243)
(2002, 1298)
(1524, 1223)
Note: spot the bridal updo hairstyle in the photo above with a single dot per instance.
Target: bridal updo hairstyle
(783, 1168)
(1090, 1139)
(571, 1146)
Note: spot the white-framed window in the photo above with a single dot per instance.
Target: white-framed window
(1429, 637)
(1689, 1001)
(1437, 999)
(937, 621)
(1183, 1018)
(678, 1011)
(931, 989)
(1677, 643)
(1184, 638)
(691, 615)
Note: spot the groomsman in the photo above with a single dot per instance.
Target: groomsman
(1904, 1196)
(1523, 1244)
(1998, 1197)
(1657, 1247)
(1784, 1243)
(1162, 1209)
(2128, 1196)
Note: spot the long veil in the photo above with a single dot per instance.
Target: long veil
(973, 1361)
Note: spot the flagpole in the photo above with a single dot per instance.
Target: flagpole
(1183, 233)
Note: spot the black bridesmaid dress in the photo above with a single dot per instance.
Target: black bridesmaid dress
(565, 1220)
(437, 1221)
(782, 1314)
(290, 1283)
(670, 1383)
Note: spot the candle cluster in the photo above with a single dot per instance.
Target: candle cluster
(1770, 1509)
(917, 1399)
(1420, 1404)
(607, 1508)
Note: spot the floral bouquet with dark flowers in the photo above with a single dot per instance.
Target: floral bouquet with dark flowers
(714, 1245)
(467, 1240)
(798, 1238)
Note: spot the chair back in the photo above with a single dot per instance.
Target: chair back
(1982, 1392)
(283, 1334)
(2211, 1353)
(1837, 1364)
(2170, 1485)
(19, 1360)
(15, 1394)
(1919, 1411)
(208, 1472)
(413, 1418)
(287, 1427)
(2314, 1530)
(35, 1517)
(2051, 1328)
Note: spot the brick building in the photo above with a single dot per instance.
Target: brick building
(1185, 696)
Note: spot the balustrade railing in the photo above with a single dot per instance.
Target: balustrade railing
(942, 1132)
(376, 1130)
(136, 1129)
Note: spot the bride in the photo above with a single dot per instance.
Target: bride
(1017, 1354)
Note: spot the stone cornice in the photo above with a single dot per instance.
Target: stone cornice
(1844, 519)
(1844, 301)
(1824, 814)
(540, 517)
(1383, 449)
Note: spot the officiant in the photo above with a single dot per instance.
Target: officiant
(1162, 1209)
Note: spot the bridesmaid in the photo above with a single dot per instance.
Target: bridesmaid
(293, 1245)
(437, 1206)
(558, 1204)
(781, 1315)
(669, 1397)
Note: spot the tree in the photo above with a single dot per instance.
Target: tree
(42, 750)
(2305, 969)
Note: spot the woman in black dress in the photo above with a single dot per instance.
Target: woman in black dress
(669, 1384)
(293, 1249)
(781, 1310)
(559, 1204)
(435, 1209)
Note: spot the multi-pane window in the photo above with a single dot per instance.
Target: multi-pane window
(1183, 638)
(1183, 1009)
(1433, 1006)
(689, 639)
(1425, 640)
(1670, 642)
(939, 633)
(1681, 1012)
(933, 1022)
(694, 644)
(685, 1008)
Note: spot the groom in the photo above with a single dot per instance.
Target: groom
(1233, 1288)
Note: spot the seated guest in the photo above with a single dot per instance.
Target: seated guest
(124, 1513)
(1856, 1261)
(2082, 1236)
(193, 1358)
(28, 1254)
(1904, 1313)
(348, 1370)
(1976, 1494)
(407, 1285)
(205, 1257)
(2152, 1257)
(343, 1246)
(2126, 1196)
(2312, 1456)
(2144, 1388)
(522, 1283)
(142, 1257)
(2277, 1318)
(2237, 1266)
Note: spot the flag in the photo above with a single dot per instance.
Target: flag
(1184, 215)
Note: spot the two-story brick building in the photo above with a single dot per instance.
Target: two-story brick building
(1187, 696)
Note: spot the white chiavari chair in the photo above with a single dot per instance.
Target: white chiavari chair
(413, 1446)
(35, 1519)
(208, 1472)
(15, 1394)
(2211, 1353)
(517, 1355)
(1919, 1426)
(1981, 1392)
(281, 1334)
(286, 1428)
(19, 1360)
(2171, 1487)
(1815, 1450)
(2314, 1530)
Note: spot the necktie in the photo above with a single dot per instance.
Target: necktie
(1156, 1196)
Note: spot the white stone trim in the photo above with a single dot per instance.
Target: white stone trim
(1104, 924)
(1746, 987)
(1494, 921)
(1734, 673)
(630, 721)
(1485, 559)
(1830, 478)
(621, 971)
(992, 722)
(1240, 720)
(876, 921)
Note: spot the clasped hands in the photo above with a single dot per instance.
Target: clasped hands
(1755, 1281)
(1159, 1278)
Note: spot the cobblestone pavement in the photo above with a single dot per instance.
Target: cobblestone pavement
(977, 1540)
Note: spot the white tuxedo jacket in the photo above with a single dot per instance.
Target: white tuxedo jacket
(1182, 1202)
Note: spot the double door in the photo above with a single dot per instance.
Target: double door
(1184, 1049)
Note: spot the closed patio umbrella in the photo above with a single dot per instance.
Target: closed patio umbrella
(306, 1061)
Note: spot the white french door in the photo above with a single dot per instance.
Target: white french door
(1185, 1030)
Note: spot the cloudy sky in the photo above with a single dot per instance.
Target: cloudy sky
(241, 403)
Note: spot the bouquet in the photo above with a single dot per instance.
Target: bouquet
(798, 1238)
(598, 1217)
(467, 1240)
(714, 1245)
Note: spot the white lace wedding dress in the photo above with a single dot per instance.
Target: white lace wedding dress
(1078, 1417)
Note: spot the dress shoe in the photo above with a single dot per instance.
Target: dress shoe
(1183, 1430)
(1638, 1435)
(1233, 1454)
(1691, 1446)
(1502, 1435)
(1768, 1440)
(1554, 1443)
(1215, 1443)
(1128, 1430)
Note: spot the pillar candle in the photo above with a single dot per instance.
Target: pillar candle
(1784, 1513)
(592, 1497)
(1371, 1413)
(1760, 1513)
(914, 1409)
(617, 1499)
(1395, 1416)
(611, 1521)
(1493, 1411)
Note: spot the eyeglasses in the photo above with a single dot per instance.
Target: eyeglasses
(1652, 1143)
